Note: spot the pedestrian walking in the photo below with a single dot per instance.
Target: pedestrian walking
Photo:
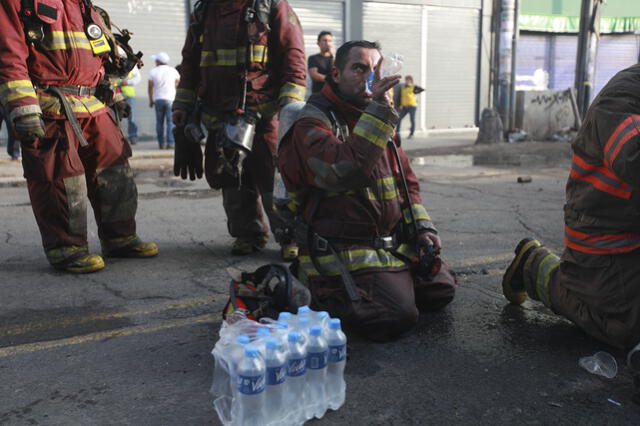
(163, 81)
(128, 89)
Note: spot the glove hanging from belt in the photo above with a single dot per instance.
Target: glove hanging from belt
(57, 91)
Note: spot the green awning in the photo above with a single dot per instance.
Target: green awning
(571, 24)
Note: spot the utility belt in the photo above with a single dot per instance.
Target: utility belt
(59, 92)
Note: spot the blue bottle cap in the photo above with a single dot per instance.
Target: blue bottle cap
(242, 339)
(294, 336)
(272, 343)
(302, 310)
(316, 330)
(251, 351)
(322, 314)
(263, 332)
(284, 316)
(282, 324)
(334, 324)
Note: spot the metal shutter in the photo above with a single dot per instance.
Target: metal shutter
(398, 28)
(531, 56)
(615, 53)
(452, 66)
(563, 75)
(158, 25)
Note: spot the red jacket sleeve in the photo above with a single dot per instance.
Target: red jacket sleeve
(189, 73)
(287, 41)
(16, 89)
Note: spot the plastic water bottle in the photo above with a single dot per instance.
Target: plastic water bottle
(317, 357)
(321, 318)
(336, 385)
(249, 405)
(296, 379)
(286, 318)
(235, 356)
(276, 360)
(262, 335)
(304, 310)
(304, 323)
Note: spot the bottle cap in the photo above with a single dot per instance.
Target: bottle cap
(294, 336)
(334, 324)
(316, 330)
(302, 310)
(242, 339)
(272, 343)
(322, 315)
(251, 351)
(284, 316)
(282, 324)
(263, 332)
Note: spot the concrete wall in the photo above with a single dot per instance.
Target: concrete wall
(541, 113)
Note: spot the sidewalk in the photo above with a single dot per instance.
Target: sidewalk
(146, 155)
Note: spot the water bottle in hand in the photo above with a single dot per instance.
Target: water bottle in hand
(249, 405)
(336, 385)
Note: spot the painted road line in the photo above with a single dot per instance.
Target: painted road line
(66, 322)
(93, 337)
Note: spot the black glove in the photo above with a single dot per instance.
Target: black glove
(187, 159)
(122, 108)
(29, 127)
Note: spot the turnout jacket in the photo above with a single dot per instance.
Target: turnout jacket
(215, 58)
(356, 183)
(602, 212)
(63, 58)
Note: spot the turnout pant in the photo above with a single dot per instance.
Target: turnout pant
(244, 204)
(390, 301)
(61, 175)
(598, 293)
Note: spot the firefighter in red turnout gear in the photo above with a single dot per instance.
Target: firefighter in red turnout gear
(345, 183)
(51, 61)
(596, 281)
(241, 59)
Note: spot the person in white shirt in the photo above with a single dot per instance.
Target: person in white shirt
(163, 80)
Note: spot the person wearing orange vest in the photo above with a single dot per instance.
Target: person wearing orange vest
(596, 281)
(408, 103)
(52, 58)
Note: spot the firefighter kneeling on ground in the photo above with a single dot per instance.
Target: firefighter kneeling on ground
(368, 249)
(596, 282)
(52, 59)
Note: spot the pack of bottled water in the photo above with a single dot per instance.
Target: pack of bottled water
(279, 373)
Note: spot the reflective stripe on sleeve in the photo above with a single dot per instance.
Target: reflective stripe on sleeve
(373, 129)
(16, 89)
(292, 90)
(419, 212)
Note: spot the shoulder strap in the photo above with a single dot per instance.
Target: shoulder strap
(318, 104)
(265, 10)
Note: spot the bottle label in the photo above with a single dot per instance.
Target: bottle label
(276, 375)
(317, 360)
(337, 353)
(251, 385)
(296, 367)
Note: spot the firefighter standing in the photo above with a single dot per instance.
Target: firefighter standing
(51, 61)
(346, 183)
(241, 59)
(596, 282)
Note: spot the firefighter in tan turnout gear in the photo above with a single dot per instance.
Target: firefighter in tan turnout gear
(52, 58)
(242, 61)
(362, 226)
(596, 282)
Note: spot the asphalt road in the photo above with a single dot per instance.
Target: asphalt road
(131, 345)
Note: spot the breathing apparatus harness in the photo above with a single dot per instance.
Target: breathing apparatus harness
(102, 40)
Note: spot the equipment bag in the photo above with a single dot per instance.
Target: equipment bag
(269, 290)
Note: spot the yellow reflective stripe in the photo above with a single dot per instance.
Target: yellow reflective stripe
(51, 104)
(549, 264)
(354, 260)
(186, 96)
(232, 57)
(210, 122)
(267, 109)
(373, 129)
(16, 89)
(292, 90)
(63, 40)
(419, 212)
